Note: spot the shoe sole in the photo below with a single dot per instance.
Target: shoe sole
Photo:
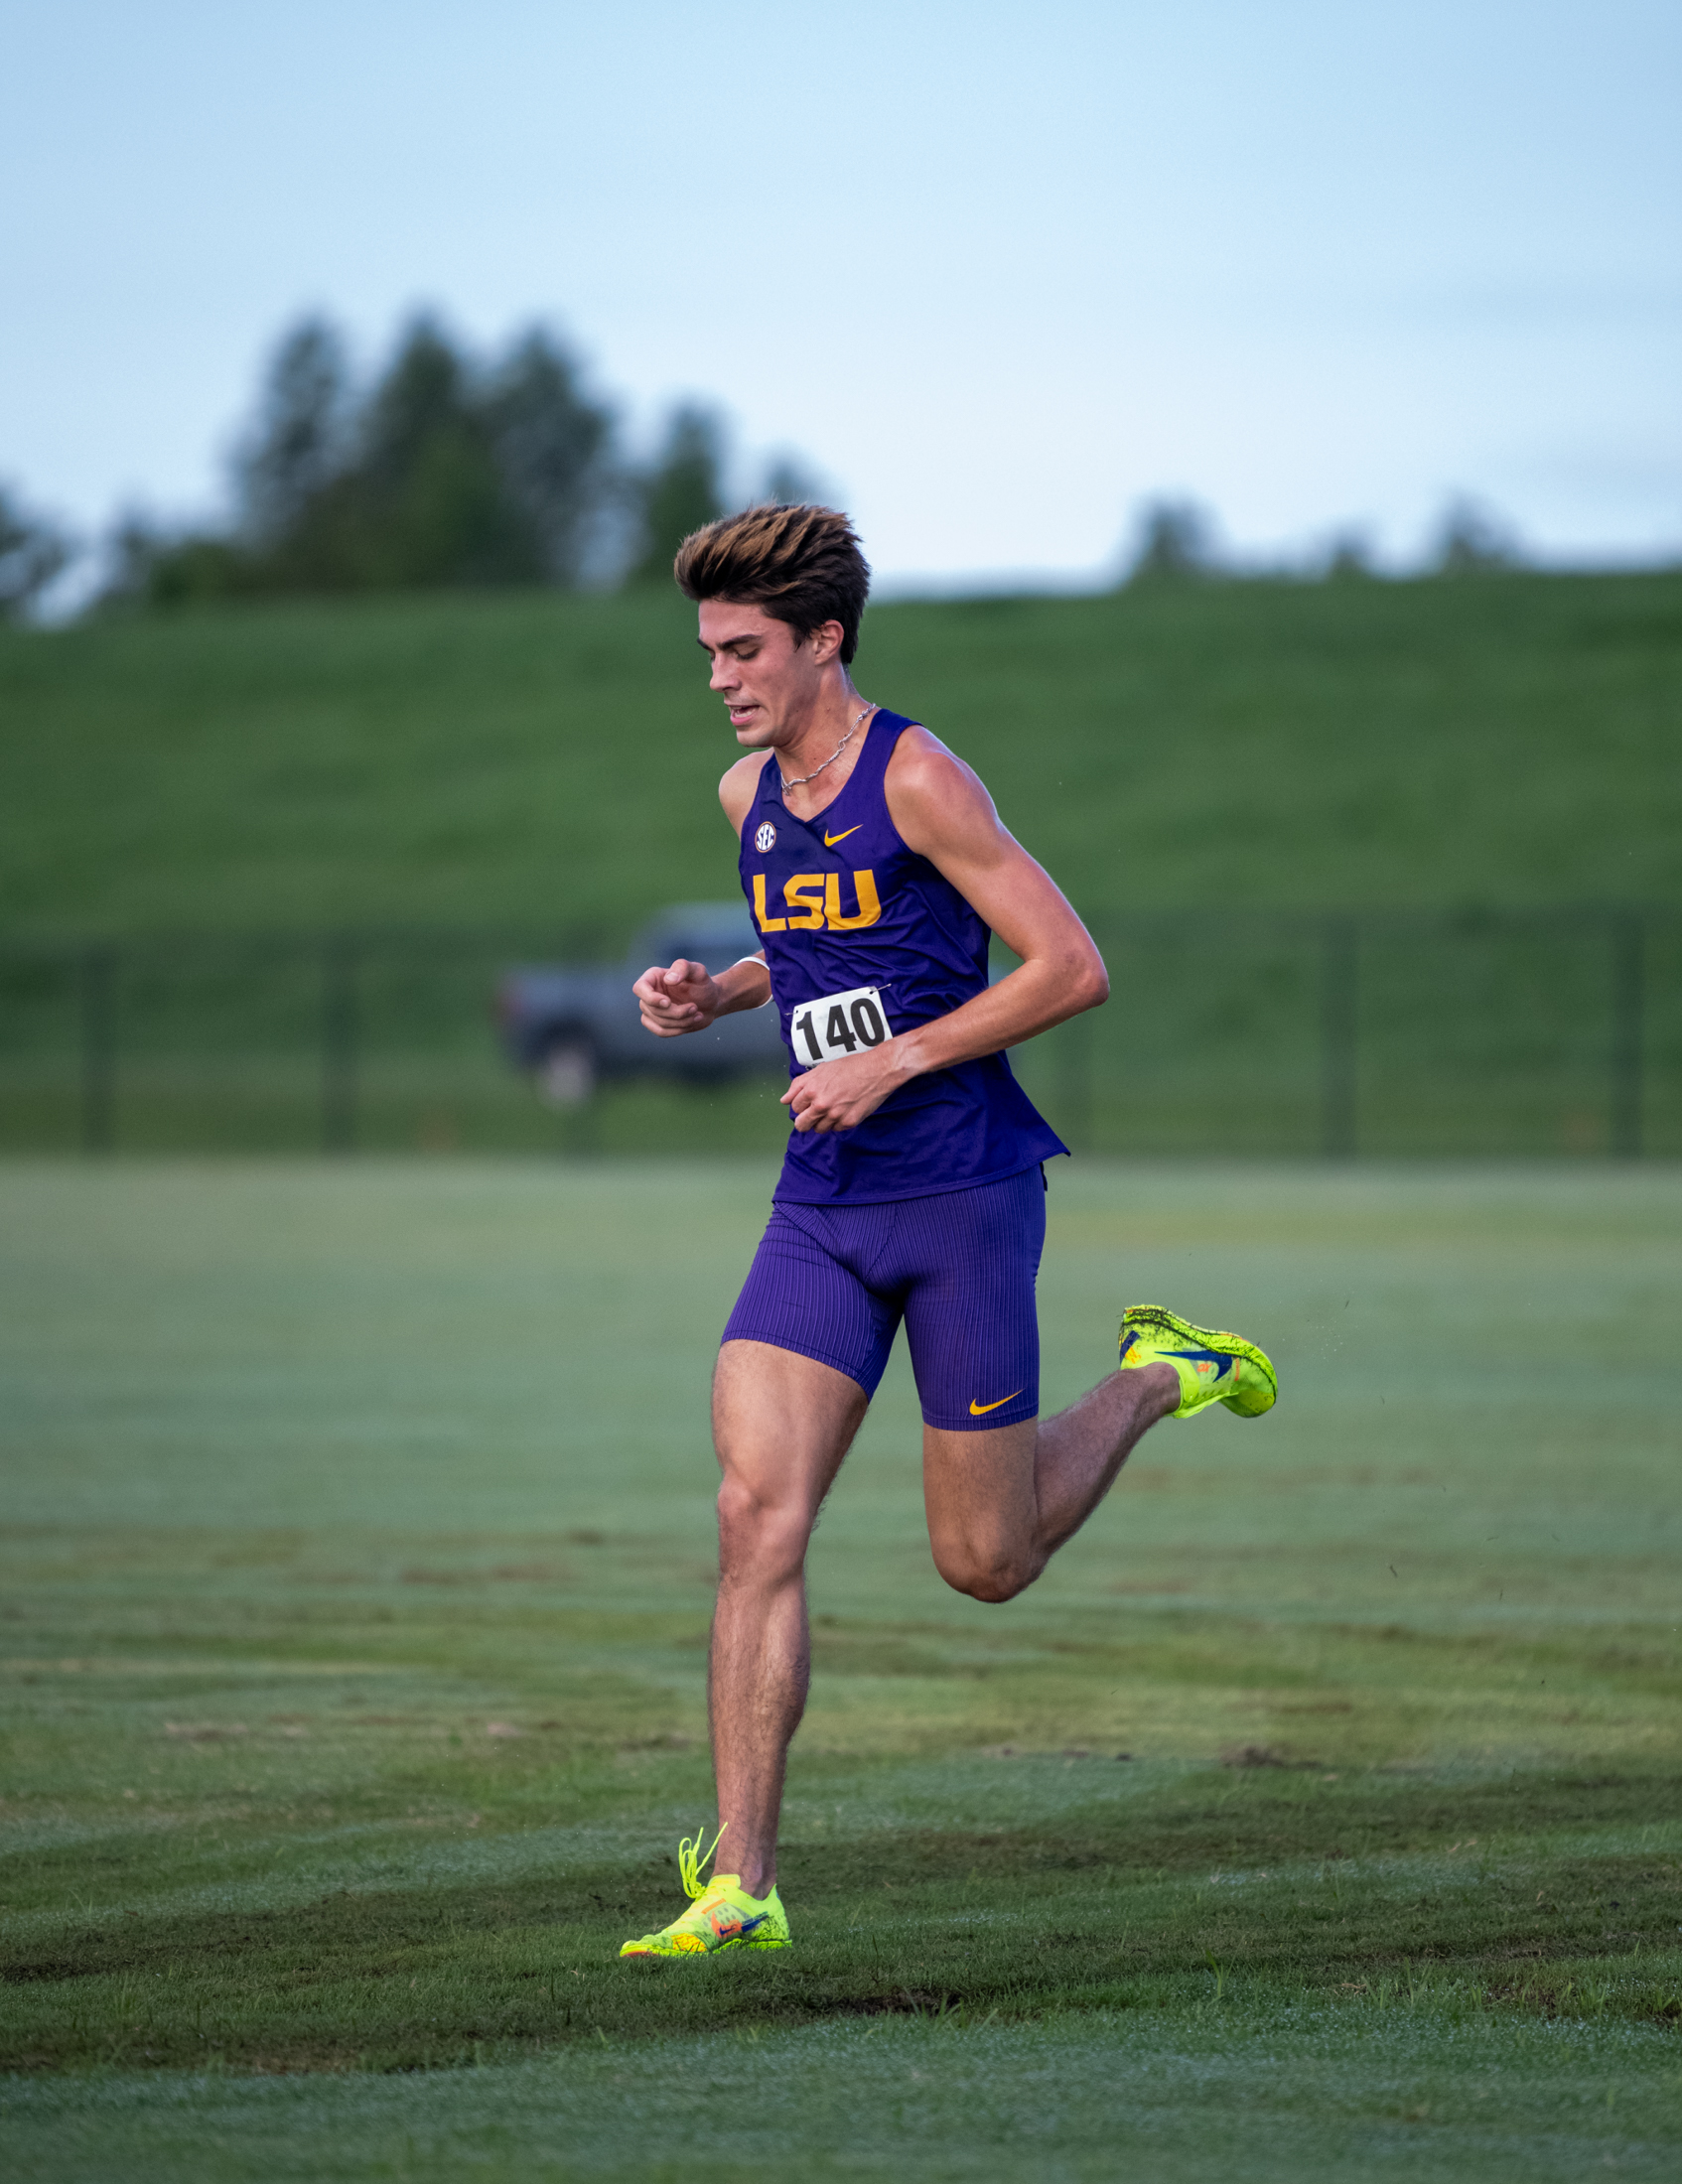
(691, 1955)
(1211, 1338)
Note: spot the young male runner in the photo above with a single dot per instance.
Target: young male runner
(876, 869)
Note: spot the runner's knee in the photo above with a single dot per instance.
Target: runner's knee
(768, 1534)
(991, 1577)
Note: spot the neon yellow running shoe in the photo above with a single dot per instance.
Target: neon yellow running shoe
(1212, 1367)
(722, 1916)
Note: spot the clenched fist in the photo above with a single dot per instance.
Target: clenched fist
(684, 999)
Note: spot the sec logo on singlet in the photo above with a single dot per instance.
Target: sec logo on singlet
(766, 838)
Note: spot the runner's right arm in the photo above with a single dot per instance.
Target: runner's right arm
(686, 997)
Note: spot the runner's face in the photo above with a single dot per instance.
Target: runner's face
(768, 678)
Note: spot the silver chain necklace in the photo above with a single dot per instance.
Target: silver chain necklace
(833, 755)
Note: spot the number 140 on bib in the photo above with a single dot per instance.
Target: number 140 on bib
(839, 1023)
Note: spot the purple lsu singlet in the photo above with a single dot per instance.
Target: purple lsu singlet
(864, 939)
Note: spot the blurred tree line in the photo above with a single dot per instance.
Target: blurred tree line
(1177, 542)
(442, 471)
(447, 468)
(33, 550)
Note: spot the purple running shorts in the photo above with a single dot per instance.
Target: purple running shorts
(834, 1283)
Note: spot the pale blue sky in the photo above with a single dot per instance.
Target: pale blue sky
(997, 272)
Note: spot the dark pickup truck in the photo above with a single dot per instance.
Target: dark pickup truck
(573, 1027)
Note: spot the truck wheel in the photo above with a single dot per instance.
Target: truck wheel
(567, 1072)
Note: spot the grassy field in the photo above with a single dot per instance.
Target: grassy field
(549, 763)
(1317, 1815)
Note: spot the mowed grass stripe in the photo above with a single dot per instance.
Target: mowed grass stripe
(1314, 1885)
(1410, 2085)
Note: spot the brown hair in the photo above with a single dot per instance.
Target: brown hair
(802, 565)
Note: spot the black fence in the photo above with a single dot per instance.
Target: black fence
(1388, 1034)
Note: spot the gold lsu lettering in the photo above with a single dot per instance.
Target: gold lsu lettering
(813, 901)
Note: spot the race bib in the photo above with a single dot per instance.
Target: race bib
(839, 1023)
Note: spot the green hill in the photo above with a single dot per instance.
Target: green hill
(539, 761)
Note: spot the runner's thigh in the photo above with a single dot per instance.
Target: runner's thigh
(979, 1494)
(781, 1425)
(802, 1353)
(974, 1337)
(969, 1260)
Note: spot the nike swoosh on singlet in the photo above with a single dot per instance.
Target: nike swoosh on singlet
(830, 840)
(980, 1410)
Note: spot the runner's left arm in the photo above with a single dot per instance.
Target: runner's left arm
(943, 810)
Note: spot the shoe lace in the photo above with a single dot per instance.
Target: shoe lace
(692, 1855)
